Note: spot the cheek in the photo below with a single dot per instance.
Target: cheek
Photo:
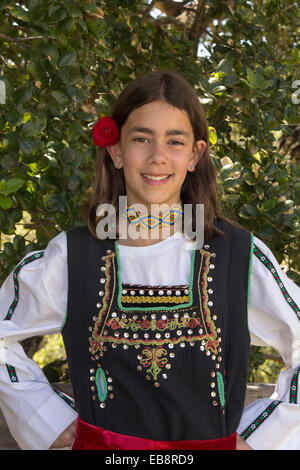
(132, 162)
(181, 162)
(132, 157)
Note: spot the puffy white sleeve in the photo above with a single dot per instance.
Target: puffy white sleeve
(274, 320)
(33, 301)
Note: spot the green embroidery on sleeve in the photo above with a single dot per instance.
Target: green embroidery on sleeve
(276, 276)
(12, 373)
(68, 400)
(14, 303)
(294, 387)
(250, 270)
(260, 419)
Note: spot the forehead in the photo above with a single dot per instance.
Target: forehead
(158, 114)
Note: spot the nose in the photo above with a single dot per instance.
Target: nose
(158, 153)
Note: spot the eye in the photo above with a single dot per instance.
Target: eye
(176, 142)
(140, 139)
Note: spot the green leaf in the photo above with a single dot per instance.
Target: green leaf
(68, 58)
(60, 97)
(213, 137)
(13, 184)
(268, 205)
(56, 13)
(27, 146)
(295, 53)
(266, 231)
(82, 115)
(40, 124)
(5, 202)
(233, 198)
(89, 6)
(19, 243)
(272, 6)
(271, 170)
(247, 175)
(225, 66)
(248, 211)
(124, 71)
(34, 127)
(294, 276)
(19, 13)
(7, 162)
(9, 249)
(73, 183)
(10, 186)
(226, 171)
(256, 80)
(23, 94)
(82, 24)
(281, 207)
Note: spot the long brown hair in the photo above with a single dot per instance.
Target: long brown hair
(199, 187)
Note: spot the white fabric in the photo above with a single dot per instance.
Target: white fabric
(36, 415)
(164, 263)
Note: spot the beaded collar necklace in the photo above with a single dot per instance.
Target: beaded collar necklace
(152, 222)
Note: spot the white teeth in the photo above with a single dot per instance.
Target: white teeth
(156, 178)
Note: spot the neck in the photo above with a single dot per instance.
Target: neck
(150, 237)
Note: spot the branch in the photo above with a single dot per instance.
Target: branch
(171, 8)
(217, 39)
(149, 8)
(165, 20)
(19, 40)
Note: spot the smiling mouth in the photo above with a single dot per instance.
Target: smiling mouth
(155, 178)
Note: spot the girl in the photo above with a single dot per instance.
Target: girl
(156, 328)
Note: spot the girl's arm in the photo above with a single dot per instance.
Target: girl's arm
(33, 301)
(274, 320)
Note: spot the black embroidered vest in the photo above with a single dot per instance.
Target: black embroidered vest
(159, 362)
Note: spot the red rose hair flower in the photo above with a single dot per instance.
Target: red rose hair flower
(105, 132)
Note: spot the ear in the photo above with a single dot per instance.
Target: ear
(198, 150)
(116, 155)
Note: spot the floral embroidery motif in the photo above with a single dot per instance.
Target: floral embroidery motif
(294, 387)
(154, 324)
(265, 260)
(12, 373)
(260, 419)
(154, 359)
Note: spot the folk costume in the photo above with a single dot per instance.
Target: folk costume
(157, 340)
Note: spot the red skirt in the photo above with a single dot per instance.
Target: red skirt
(89, 437)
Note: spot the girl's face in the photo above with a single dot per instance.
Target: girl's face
(156, 149)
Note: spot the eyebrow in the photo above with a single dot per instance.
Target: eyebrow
(145, 130)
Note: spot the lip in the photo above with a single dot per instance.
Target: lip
(153, 182)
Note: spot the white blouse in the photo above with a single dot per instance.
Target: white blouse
(33, 301)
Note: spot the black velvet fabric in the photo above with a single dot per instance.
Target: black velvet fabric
(184, 380)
